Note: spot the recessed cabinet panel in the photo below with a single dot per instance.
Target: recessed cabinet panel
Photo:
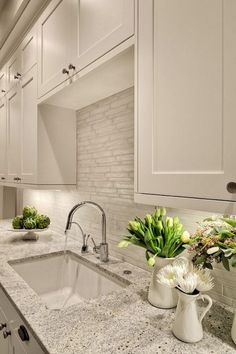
(54, 28)
(100, 26)
(14, 134)
(29, 51)
(29, 127)
(186, 106)
(14, 72)
(3, 139)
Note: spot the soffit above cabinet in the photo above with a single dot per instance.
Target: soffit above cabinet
(109, 75)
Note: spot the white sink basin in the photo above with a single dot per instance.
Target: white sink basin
(63, 280)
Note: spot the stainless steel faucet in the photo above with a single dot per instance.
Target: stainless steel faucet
(102, 249)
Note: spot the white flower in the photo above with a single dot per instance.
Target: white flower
(185, 237)
(167, 276)
(183, 264)
(188, 283)
(212, 250)
(205, 281)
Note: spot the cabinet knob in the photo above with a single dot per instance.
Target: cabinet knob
(3, 91)
(65, 71)
(17, 179)
(231, 187)
(2, 325)
(17, 76)
(71, 67)
(3, 178)
(23, 333)
(6, 333)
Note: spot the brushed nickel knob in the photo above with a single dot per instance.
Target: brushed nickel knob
(2, 325)
(65, 71)
(17, 76)
(6, 333)
(71, 67)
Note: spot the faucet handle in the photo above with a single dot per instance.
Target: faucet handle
(95, 247)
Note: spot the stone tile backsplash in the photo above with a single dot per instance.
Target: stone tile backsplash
(105, 174)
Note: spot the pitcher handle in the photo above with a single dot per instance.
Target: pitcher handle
(205, 297)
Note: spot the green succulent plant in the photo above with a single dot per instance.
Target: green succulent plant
(160, 235)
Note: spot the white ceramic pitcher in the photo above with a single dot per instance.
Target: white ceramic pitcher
(160, 295)
(188, 324)
(233, 330)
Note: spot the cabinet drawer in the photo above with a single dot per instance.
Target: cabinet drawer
(14, 322)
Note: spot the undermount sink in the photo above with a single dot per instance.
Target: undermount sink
(62, 280)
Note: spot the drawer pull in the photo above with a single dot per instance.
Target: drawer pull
(23, 333)
(65, 71)
(71, 67)
(231, 187)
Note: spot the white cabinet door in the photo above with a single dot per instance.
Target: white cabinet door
(14, 134)
(14, 72)
(28, 51)
(54, 32)
(99, 26)
(186, 98)
(29, 126)
(4, 342)
(3, 139)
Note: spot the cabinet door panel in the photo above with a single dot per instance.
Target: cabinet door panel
(29, 127)
(54, 27)
(100, 26)
(13, 68)
(29, 51)
(14, 133)
(185, 101)
(3, 139)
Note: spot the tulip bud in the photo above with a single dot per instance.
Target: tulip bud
(176, 220)
(151, 261)
(159, 225)
(169, 221)
(134, 225)
(163, 211)
(123, 244)
(149, 219)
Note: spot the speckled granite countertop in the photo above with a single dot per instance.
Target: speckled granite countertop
(122, 322)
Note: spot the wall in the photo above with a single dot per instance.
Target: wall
(105, 174)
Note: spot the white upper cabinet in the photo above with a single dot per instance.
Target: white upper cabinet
(55, 32)
(28, 51)
(186, 103)
(13, 134)
(14, 70)
(3, 139)
(29, 127)
(99, 26)
(72, 34)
